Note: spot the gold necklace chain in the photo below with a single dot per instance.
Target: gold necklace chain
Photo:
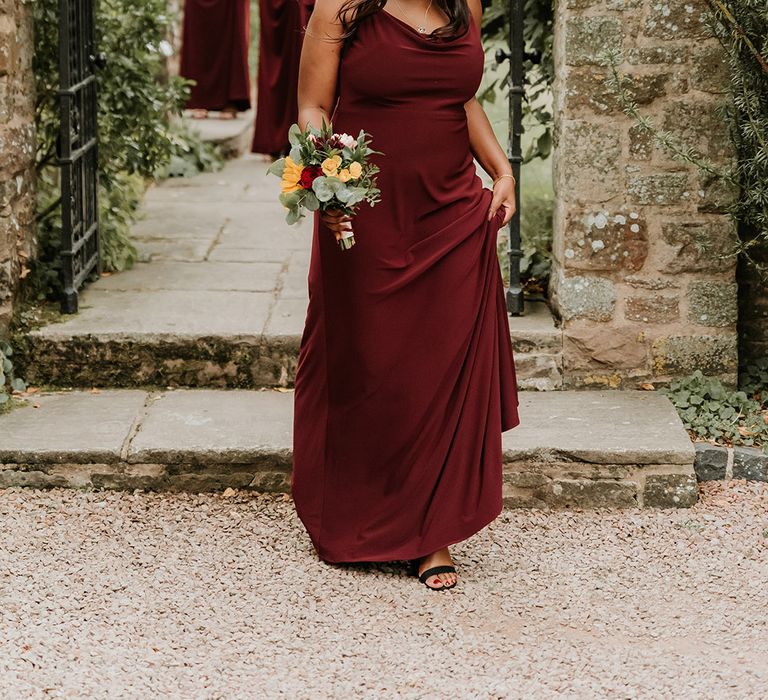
(420, 28)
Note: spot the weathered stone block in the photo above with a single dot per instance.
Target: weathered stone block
(654, 55)
(712, 303)
(671, 19)
(710, 462)
(715, 195)
(587, 37)
(696, 124)
(661, 189)
(670, 491)
(584, 297)
(588, 164)
(750, 463)
(653, 309)
(651, 283)
(605, 240)
(710, 68)
(593, 493)
(696, 244)
(682, 354)
(641, 143)
(586, 89)
(591, 347)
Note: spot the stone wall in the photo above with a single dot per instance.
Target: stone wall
(639, 300)
(17, 149)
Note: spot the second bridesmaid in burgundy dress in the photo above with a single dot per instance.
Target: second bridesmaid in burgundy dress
(214, 53)
(405, 377)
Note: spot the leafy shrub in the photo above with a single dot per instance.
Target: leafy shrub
(711, 411)
(140, 133)
(8, 382)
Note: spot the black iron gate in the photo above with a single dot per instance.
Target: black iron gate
(77, 152)
(515, 56)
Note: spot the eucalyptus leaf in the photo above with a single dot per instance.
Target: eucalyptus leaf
(296, 154)
(294, 215)
(294, 132)
(277, 168)
(310, 201)
(326, 187)
(18, 384)
(290, 199)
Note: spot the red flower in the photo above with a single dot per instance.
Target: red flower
(308, 176)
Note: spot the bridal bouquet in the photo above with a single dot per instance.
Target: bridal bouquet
(325, 170)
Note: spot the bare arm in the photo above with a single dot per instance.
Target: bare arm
(318, 68)
(319, 63)
(485, 146)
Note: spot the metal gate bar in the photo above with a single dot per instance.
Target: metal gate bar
(515, 55)
(77, 149)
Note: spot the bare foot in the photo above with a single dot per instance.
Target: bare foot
(228, 113)
(439, 558)
(199, 114)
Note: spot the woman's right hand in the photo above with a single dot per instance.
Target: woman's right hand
(337, 221)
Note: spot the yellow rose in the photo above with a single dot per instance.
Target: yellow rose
(291, 175)
(331, 165)
(344, 175)
(355, 169)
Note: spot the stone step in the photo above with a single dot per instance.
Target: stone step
(234, 339)
(220, 299)
(233, 136)
(581, 449)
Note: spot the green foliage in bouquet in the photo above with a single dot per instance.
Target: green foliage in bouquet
(326, 171)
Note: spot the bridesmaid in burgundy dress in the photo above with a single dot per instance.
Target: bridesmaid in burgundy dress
(214, 53)
(280, 37)
(405, 377)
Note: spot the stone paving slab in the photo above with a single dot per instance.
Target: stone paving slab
(77, 426)
(617, 427)
(234, 136)
(174, 313)
(213, 276)
(178, 220)
(215, 426)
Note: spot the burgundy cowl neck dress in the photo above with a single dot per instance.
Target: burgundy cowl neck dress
(405, 377)
(214, 53)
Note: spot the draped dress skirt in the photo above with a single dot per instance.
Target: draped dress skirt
(405, 378)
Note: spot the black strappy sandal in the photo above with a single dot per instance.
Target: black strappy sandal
(442, 569)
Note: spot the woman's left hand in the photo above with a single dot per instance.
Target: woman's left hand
(503, 196)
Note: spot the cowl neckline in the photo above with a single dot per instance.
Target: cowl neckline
(438, 41)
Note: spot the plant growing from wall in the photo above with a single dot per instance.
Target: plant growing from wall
(741, 26)
(8, 381)
(140, 134)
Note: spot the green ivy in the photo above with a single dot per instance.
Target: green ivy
(712, 411)
(8, 382)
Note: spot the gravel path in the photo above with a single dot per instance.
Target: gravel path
(141, 595)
